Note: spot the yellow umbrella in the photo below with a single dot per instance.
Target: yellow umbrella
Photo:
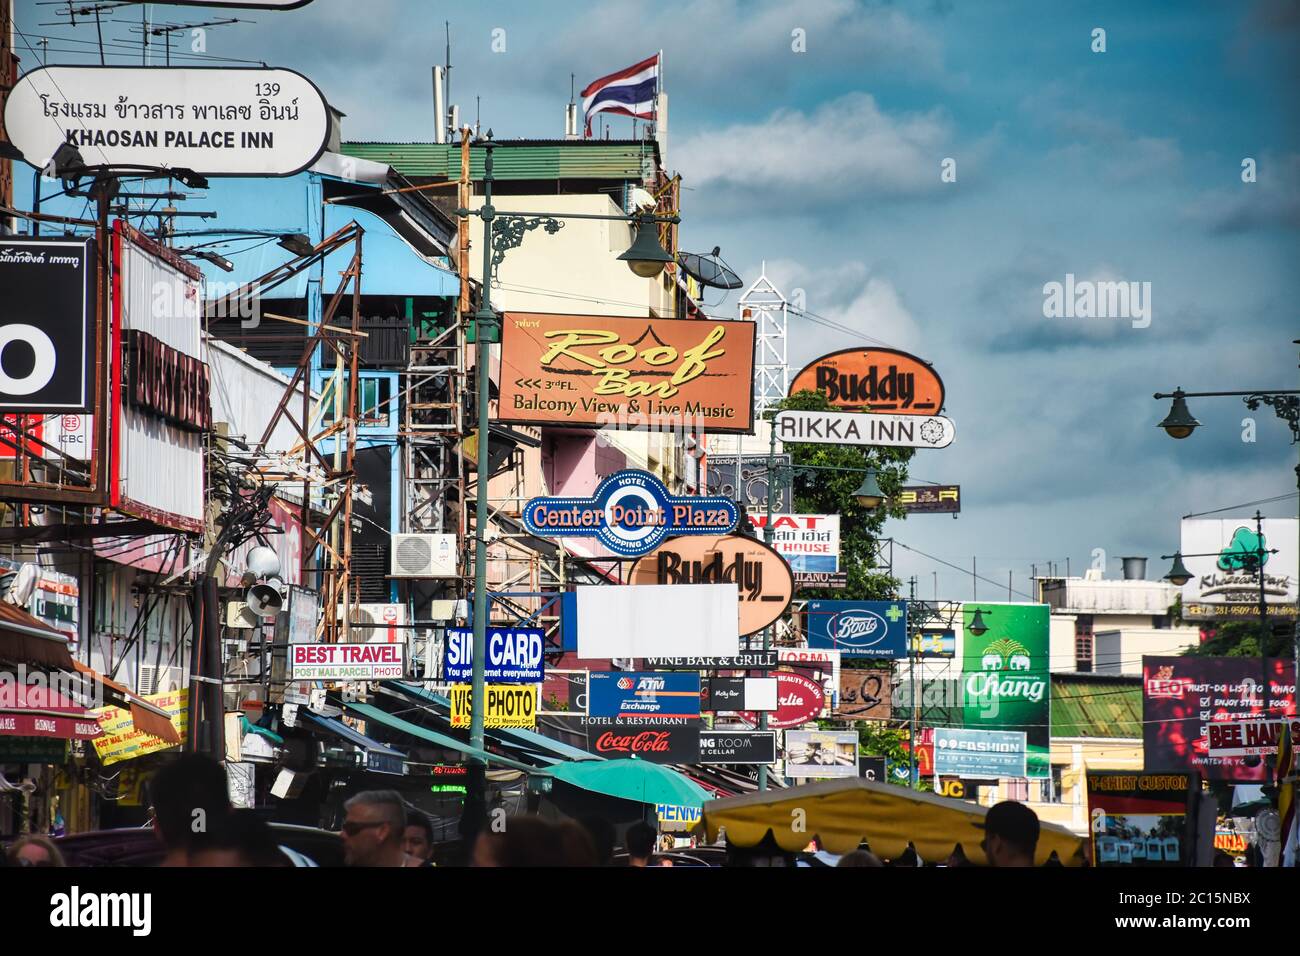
(843, 813)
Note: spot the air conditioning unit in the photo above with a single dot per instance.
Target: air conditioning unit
(376, 623)
(424, 556)
(157, 680)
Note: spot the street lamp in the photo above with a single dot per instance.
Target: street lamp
(977, 625)
(1179, 423)
(1178, 574)
(646, 257)
(503, 231)
(869, 494)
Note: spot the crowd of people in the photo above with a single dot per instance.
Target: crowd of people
(192, 818)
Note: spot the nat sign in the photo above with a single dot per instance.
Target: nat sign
(657, 743)
(47, 345)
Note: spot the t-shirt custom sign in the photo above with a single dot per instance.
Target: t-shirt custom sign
(630, 513)
(596, 371)
(217, 122)
(762, 576)
(877, 380)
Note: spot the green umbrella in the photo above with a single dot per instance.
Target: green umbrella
(631, 779)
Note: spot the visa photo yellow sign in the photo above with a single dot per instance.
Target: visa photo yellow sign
(508, 705)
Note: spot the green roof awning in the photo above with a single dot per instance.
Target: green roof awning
(625, 160)
(1086, 705)
(630, 779)
(392, 722)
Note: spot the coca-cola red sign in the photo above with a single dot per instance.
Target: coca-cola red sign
(657, 743)
(798, 700)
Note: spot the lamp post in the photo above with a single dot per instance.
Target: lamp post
(1180, 424)
(868, 495)
(503, 231)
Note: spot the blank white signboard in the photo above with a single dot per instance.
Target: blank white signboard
(658, 620)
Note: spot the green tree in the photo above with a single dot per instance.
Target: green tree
(828, 492)
(877, 740)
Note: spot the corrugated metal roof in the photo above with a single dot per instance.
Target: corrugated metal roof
(1087, 705)
(519, 159)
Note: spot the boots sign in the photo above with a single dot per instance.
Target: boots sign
(47, 324)
(214, 121)
(876, 380)
(762, 576)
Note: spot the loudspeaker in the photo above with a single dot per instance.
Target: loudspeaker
(265, 600)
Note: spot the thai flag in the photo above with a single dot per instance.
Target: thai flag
(629, 92)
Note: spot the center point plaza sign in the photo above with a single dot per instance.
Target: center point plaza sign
(597, 371)
(215, 121)
(630, 513)
(763, 578)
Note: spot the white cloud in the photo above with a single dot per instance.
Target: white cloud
(846, 148)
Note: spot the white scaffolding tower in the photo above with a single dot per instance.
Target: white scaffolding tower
(764, 304)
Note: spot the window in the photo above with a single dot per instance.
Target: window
(1018, 790)
(374, 405)
(1083, 643)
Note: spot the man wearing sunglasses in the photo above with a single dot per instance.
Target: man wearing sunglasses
(372, 832)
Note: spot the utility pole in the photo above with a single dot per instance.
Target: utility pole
(911, 657)
(767, 539)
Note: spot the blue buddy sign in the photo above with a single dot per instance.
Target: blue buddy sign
(874, 630)
(514, 655)
(630, 513)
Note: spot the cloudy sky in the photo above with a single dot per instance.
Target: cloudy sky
(1124, 165)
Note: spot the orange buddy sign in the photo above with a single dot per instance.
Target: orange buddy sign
(597, 372)
(763, 577)
(874, 380)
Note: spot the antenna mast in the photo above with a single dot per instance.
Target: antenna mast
(764, 305)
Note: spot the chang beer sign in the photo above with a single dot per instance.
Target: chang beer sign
(1006, 680)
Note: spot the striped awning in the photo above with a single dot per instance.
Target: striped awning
(34, 710)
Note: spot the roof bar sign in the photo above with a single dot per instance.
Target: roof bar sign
(214, 121)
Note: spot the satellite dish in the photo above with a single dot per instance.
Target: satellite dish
(263, 562)
(709, 270)
(23, 585)
(265, 600)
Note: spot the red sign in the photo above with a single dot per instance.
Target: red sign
(40, 725)
(798, 700)
(657, 743)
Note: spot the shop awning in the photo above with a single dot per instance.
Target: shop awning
(535, 743)
(630, 779)
(843, 813)
(30, 710)
(353, 736)
(369, 712)
(147, 718)
(26, 640)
